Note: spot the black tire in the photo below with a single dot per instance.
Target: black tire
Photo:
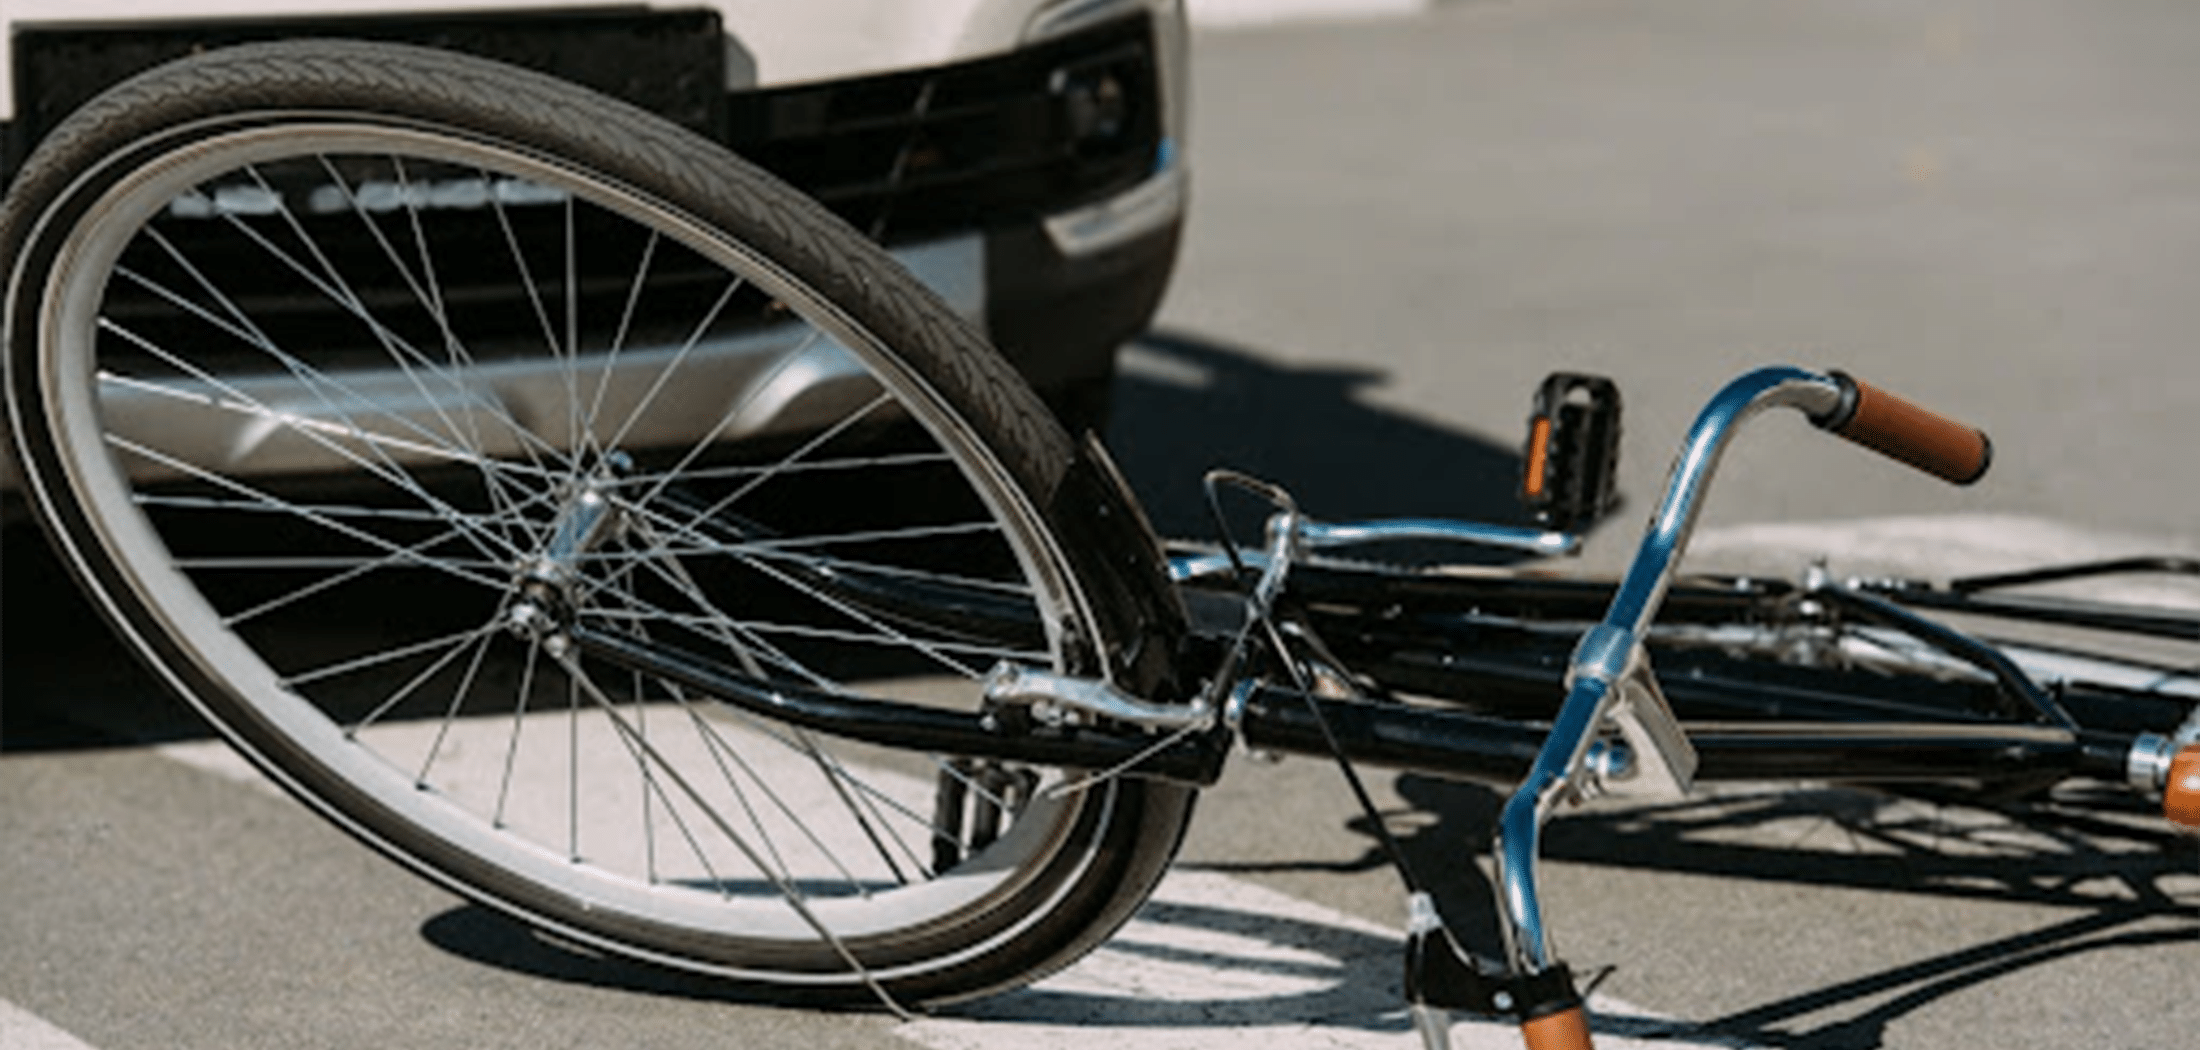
(295, 362)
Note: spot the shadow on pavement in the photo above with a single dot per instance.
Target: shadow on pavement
(2116, 877)
(1187, 403)
(1332, 972)
(1203, 965)
(1184, 404)
(65, 680)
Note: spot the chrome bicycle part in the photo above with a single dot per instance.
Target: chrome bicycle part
(1430, 1020)
(1605, 653)
(1059, 699)
(2146, 767)
(1661, 762)
(1309, 536)
(1317, 535)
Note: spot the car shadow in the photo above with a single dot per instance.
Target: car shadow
(66, 681)
(1186, 403)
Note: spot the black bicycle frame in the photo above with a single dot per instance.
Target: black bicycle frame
(1486, 655)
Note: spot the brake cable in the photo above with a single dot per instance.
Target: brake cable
(1262, 598)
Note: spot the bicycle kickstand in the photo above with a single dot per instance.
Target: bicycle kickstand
(1442, 979)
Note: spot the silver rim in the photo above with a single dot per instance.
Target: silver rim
(283, 303)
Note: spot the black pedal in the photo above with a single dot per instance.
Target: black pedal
(1570, 475)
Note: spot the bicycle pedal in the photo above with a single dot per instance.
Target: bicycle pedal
(1571, 462)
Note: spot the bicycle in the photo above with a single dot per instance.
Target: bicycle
(905, 704)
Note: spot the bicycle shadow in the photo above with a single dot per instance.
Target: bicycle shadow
(2131, 882)
(1202, 959)
(1247, 965)
(1206, 957)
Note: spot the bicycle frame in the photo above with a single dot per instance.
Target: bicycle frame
(1493, 646)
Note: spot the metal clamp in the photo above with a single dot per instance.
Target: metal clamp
(1659, 760)
(1059, 699)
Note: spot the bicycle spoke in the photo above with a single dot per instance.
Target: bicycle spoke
(725, 776)
(400, 351)
(355, 565)
(522, 696)
(801, 743)
(813, 444)
(332, 525)
(654, 479)
(321, 433)
(390, 656)
(850, 566)
(611, 353)
(519, 260)
(664, 375)
(719, 751)
(356, 572)
(788, 891)
(427, 293)
(389, 340)
(459, 693)
(748, 643)
(335, 511)
(318, 382)
(793, 630)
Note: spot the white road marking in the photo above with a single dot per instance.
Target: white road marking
(1217, 963)
(22, 1030)
(1210, 962)
(618, 820)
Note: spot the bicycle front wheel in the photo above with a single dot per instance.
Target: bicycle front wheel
(343, 375)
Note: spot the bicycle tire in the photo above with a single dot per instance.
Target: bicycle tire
(360, 642)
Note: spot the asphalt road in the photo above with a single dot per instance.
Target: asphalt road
(1400, 225)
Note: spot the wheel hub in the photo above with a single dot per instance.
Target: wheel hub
(546, 581)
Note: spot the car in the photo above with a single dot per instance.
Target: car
(1022, 157)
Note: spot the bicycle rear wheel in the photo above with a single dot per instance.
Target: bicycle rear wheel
(342, 374)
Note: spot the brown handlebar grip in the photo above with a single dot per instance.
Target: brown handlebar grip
(1899, 429)
(1568, 1029)
(2181, 796)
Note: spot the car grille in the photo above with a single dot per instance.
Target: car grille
(907, 155)
(395, 267)
(903, 156)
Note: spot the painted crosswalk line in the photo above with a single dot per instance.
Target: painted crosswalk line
(1219, 963)
(1211, 961)
(22, 1030)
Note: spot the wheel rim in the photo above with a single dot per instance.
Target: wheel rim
(508, 519)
